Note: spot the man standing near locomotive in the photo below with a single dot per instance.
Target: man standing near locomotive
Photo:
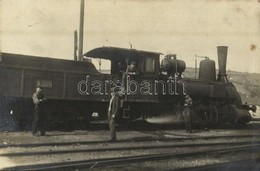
(113, 110)
(130, 70)
(187, 113)
(39, 115)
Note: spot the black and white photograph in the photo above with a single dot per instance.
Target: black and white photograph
(130, 85)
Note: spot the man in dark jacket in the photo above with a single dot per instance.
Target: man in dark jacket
(39, 115)
(113, 111)
(187, 113)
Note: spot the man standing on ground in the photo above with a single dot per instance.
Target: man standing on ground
(113, 111)
(187, 113)
(39, 115)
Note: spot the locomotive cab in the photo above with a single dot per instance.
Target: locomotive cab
(146, 63)
(138, 86)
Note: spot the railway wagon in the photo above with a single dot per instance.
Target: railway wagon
(20, 74)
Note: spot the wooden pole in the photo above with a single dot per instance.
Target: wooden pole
(81, 31)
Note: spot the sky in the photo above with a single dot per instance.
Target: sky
(183, 27)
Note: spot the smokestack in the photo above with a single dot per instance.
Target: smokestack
(222, 62)
(81, 31)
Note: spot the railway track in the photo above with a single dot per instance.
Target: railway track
(246, 164)
(168, 149)
(105, 162)
(163, 139)
(19, 154)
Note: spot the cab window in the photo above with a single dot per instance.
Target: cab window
(149, 65)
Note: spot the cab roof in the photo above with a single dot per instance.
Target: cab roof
(115, 53)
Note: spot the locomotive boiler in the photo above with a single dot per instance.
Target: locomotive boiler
(216, 99)
(75, 90)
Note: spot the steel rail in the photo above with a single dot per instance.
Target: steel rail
(104, 162)
(244, 164)
(125, 141)
(150, 147)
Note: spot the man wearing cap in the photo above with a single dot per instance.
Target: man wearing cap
(113, 111)
(132, 69)
(39, 115)
(187, 113)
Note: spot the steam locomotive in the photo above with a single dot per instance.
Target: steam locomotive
(76, 91)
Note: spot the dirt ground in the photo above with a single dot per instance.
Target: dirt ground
(100, 139)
